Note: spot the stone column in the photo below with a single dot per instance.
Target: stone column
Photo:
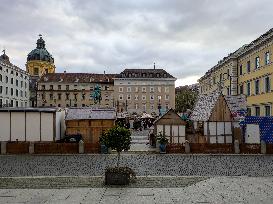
(81, 147)
(236, 147)
(187, 147)
(3, 147)
(263, 147)
(31, 148)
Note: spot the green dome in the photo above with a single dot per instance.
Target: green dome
(40, 53)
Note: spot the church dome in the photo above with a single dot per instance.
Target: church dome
(4, 57)
(40, 53)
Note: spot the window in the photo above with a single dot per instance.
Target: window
(248, 89)
(159, 98)
(257, 86)
(152, 107)
(67, 96)
(267, 111)
(143, 89)
(11, 72)
(21, 84)
(51, 96)
(120, 89)
(241, 70)
(7, 79)
(59, 96)
(248, 66)
(1, 77)
(242, 89)
(136, 106)
(51, 87)
(11, 103)
(267, 58)
(152, 97)
(167, 106)
(267, 84)
(214, 80)
(221, 77)
(43, 87)
(144, 107)
(166, 89)
(11, 91)
(75, 96)
(128, 97)
(152, 89)
(1, 89)
(43, 96)
(83, 96)
(17, 93)
(36, 71)
(59, 87)
(143, 97)
(120, 97)
(129, 89)
(257, 62)
(11, 80)
(136, 97)
(257, 111)
(17, 83)
(67, 87)
(228, 91)
(21, 93)
(166, 97)
(16, 102)
(25, 84)
(7, 90)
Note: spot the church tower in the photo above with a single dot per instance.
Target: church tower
(39, 60)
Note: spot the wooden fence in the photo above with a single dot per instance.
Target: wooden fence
(250, 148)
(175, 148)
(17, 148)
(56, 148)
(91, 148)
(211, 148)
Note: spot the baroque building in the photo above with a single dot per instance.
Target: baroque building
(144, 90)
(246, 71)
(39, 62)
(74, 89)
(14, 84)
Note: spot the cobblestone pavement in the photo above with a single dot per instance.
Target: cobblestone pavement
(217, 190)
(142, 164)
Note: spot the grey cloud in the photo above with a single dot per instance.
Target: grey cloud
(184, 37)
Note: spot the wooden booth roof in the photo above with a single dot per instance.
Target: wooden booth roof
(205, 105)
(90, 114)
(170, 118)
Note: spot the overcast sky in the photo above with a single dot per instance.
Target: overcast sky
(184, 37)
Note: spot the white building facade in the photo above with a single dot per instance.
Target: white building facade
(14, 84)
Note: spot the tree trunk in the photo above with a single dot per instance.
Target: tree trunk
(118, 159)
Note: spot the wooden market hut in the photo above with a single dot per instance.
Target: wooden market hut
(89, 122)
(217, 115)
(172, 125)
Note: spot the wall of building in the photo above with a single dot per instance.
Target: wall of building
(56, 94)
(14, 86)
(138, 95)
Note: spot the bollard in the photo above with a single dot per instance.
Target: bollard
(263, 147)
(31, 148)
(81, 147)
(3, 147)
(236, 147)
(187, 147)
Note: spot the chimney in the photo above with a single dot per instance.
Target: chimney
(154, 65)
(64, 71)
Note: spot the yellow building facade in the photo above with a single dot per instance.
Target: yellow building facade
(246, 71)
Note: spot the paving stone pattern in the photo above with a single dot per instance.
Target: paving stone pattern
(143, 164)
(218, 190)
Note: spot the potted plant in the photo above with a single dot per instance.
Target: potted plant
(162, 140)
(118, 138)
